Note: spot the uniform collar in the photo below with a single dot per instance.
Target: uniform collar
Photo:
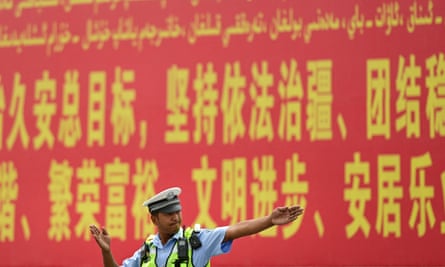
(157, 241)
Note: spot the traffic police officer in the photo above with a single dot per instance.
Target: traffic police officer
(175, 246)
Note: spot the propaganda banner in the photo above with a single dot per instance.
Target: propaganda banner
(337, 106)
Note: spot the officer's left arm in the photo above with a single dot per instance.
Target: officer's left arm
(279, 216)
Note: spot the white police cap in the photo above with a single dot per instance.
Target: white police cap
(166, 201)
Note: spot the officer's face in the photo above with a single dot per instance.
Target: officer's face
(168, 223)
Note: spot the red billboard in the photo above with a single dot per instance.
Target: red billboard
(246, 105)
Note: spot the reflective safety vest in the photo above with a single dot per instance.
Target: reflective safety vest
(148, 256)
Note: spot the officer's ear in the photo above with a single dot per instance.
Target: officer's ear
(155, 218)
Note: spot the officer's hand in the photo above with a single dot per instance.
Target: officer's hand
(102, 237)
(283, 215)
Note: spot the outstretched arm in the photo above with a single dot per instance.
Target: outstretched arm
(279, 216)
(103, 240)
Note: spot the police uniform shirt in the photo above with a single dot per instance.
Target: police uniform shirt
(211, 246)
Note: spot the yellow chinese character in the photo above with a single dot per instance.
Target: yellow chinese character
(435, 104)
(408, 103)
(60, 175)
(357, 176)
(17, 109)
(122, 113)
(177, 105)
(88, 197)
(205, 109)
(9, 191)
(294, 190)
(234, 183)
(442, 225)
(143, 180)
(263, 192)
(143, 134)
(422, 210)
(319, 108)
(96, 108)
(204, 177)
(290, 90)
(44, 110)
(2, 110)
(378, 98)
(388, 210)
(70, 130)
(261, 120)
(232, 103)
(116, 178)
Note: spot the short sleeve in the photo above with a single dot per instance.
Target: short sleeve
(212, 245)
(133, 261)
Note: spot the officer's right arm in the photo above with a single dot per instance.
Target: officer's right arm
(103, 240)
(108, 259)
